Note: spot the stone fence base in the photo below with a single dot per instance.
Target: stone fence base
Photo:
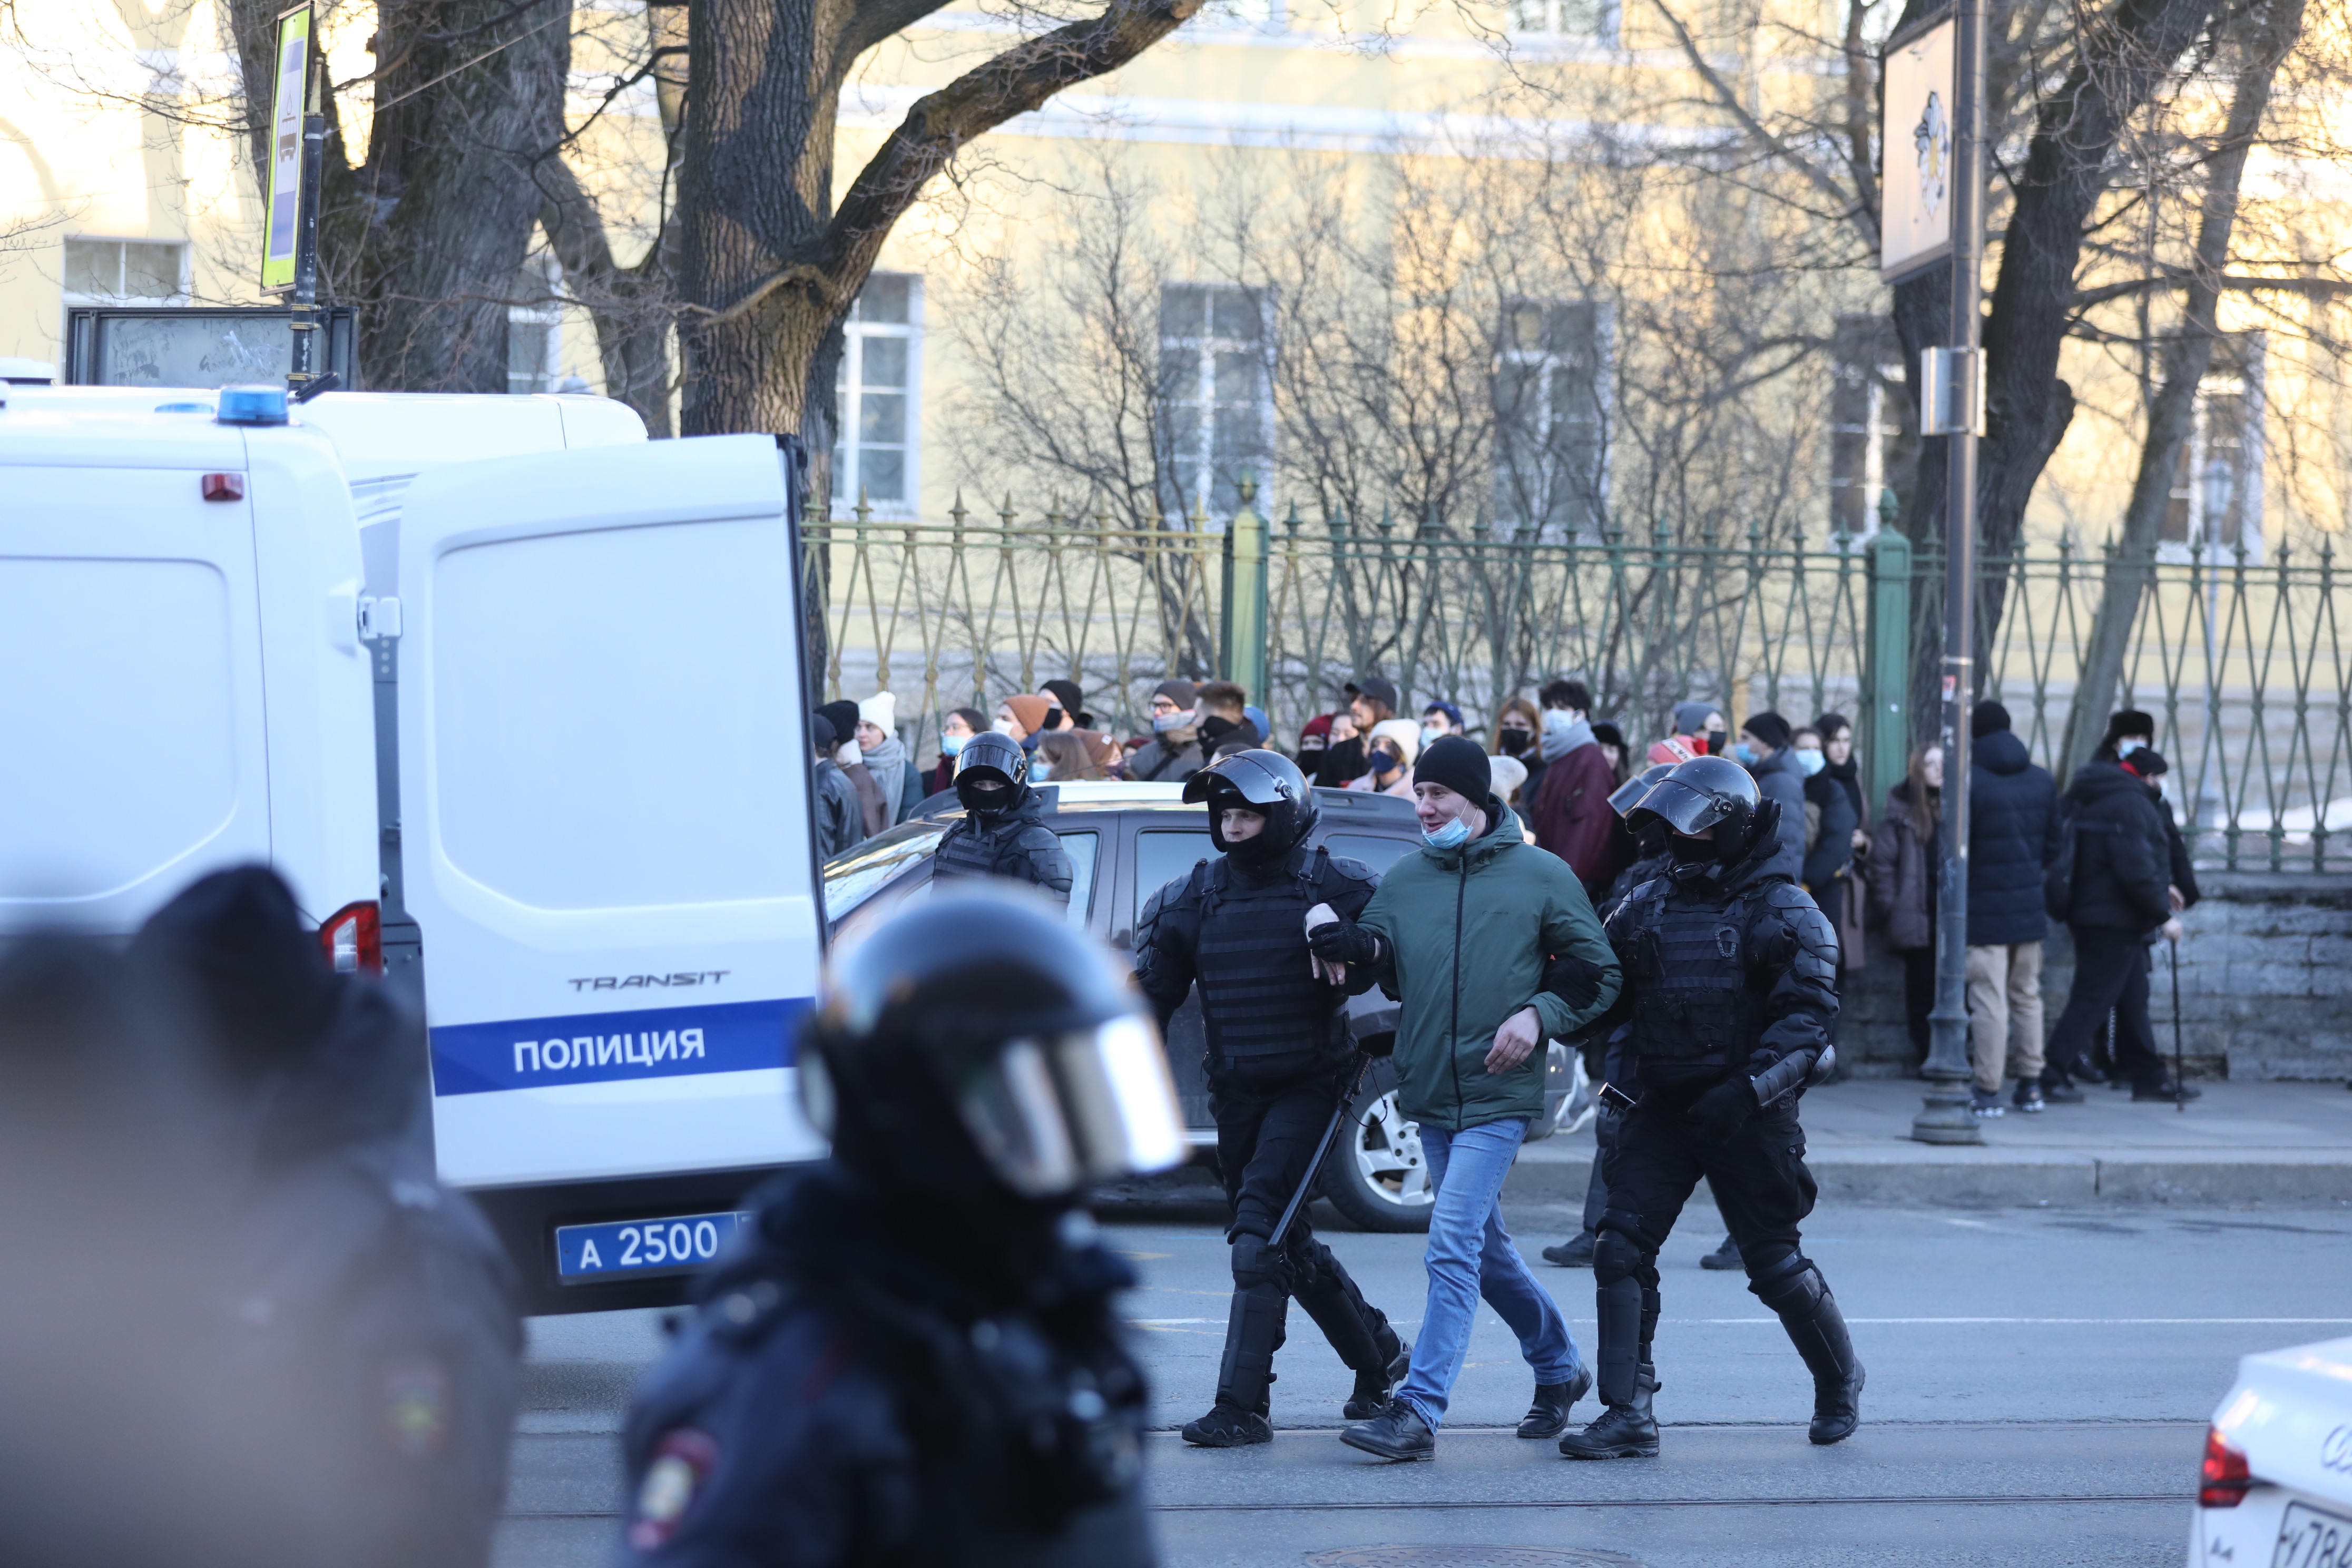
(2265, 984)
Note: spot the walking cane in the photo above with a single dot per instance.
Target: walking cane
(1307, 1183)
(2179, 1084)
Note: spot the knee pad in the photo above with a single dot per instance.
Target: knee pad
(1616, 1256)
(1256, 1262)
(1785, 1276)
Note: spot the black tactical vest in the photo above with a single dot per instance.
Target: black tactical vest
(1259, 996)
(976, 846)
(1691, 1006)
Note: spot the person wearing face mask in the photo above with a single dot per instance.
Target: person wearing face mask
(1514, 736)
(1570, 807)
(1395, 742)
(1280, 1058)
(1729, 987)
(960, 725)
(1490, 946)
(1699, 732)
(1173, 753)
(1343, 759)
(1064, 706)
(1439, 720)
(2132, 731)
(1226, 726)
(2120, 897)
(873, 804)
(1905, 850)
(1764, 748)
(1314, 740)
(1002, 831)
(1023, 718)
(900, 782)
(840, 819)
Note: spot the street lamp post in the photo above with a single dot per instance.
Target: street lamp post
(1958, 374)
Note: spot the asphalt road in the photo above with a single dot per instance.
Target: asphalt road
(2039, 1385)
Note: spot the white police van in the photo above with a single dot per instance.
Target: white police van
(492, 681)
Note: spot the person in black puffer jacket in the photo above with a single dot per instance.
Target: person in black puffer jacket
(1002, 831)
(2122, 862)
(2013, 840)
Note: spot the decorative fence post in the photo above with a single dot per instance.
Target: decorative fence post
(1240, 651)
(1887, 679)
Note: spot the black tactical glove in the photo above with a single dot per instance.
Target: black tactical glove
(1723, 1111)
(1343, 941)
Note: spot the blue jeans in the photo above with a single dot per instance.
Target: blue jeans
(1471, 1254)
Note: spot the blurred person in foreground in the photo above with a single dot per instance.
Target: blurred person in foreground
(1490, 945)
(1279, 1058)
(915, 1355)
(385, 1295)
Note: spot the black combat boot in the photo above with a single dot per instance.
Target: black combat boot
(1626, 1430)
(1226, 1428)
(1547, 1417)
(1809, 1314)
(1370, 1394)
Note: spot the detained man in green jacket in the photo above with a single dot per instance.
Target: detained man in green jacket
(1491, 947)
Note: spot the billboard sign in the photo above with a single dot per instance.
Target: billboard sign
(1916, 151)
(282, 236)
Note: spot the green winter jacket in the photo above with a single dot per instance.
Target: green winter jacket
(1470, 932)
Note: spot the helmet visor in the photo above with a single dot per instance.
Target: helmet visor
(1682, 808)
(1629, 795)
(1049, 1115)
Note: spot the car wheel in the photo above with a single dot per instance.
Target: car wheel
(1376, 1175)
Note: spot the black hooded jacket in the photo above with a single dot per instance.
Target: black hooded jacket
(854, 1392)
(2013, 840)
(1014, 843)
(2123, 857)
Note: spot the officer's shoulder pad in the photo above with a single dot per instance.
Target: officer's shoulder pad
(1346, 868)
(1789, 895)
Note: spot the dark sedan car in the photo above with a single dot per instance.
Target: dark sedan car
(1124, 841)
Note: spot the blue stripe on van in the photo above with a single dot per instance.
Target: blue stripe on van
(599, 1048)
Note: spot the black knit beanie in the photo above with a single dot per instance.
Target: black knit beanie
(1457, 763)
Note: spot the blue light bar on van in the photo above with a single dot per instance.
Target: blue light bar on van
(252, 405)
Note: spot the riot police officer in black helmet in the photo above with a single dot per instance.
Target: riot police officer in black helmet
(1002, 832)
(1730, 984)
(915, 1357)
(1280, 1058)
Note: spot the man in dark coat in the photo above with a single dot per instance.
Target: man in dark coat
(1763, 750)
(1002, 831)
(1568, 807)
(840, 818)
(387, 1292)
(2119, 897)
(2014, 836)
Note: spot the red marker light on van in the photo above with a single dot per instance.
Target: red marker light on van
(352, 937)
(224, 487)
(2224, 1480)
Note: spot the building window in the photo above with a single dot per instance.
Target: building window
(535, 326)
(1867, 399)
(126, 271)
(877, 395)
(1216, 397)
(1592, 20)
(2216, 489)
(1551, 394)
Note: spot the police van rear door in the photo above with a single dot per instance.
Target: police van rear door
(605, 788)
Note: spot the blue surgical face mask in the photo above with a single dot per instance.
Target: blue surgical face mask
(951, 744)
(2126, 748)
(1432, 733)
(1453, 835)
(1745, 753)
(1040, 769)
(1163, 723)
(1810, 761)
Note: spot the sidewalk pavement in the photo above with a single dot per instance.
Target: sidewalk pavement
(2242, 1143)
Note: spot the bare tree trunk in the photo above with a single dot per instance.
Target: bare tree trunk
(2272, 29)
(630, 305)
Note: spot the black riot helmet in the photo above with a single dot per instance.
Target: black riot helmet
(1265, 782)
(1632, 793)
(973, 1047)
(1710, 792)
(991, 756)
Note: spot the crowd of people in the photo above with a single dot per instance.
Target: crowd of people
(1869, 866)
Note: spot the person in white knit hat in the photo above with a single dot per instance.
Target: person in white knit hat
(885, 756)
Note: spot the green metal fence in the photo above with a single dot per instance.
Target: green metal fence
(2243, 663)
